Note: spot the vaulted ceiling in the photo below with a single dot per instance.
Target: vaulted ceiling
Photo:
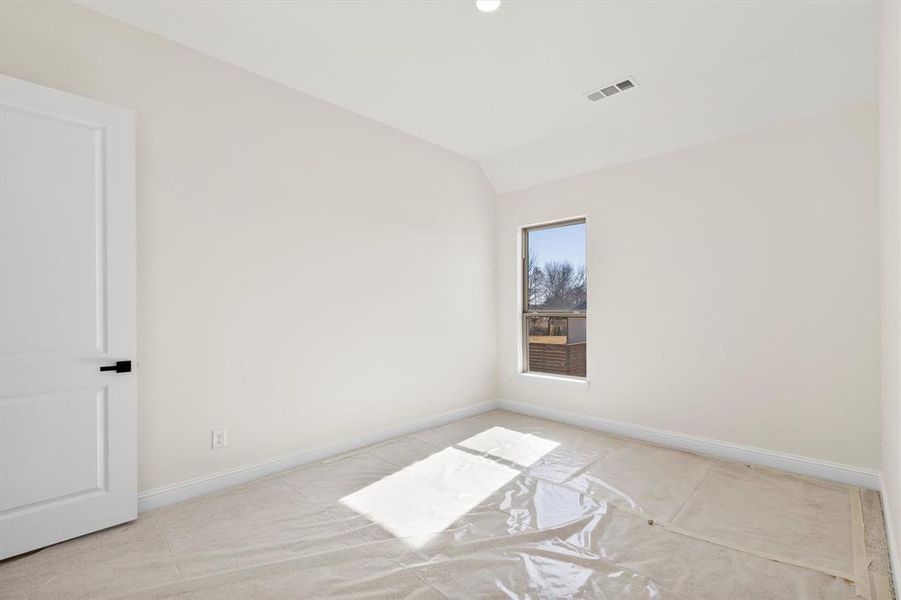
(507, 88)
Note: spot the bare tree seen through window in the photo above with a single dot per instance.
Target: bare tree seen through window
(556, 299)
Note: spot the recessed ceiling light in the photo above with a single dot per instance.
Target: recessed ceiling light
(488, 5)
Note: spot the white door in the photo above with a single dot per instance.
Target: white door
(67, 308)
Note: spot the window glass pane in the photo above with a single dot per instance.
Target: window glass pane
(557, 345)
(557, 277)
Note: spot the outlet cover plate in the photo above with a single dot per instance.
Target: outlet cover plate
(219, 439)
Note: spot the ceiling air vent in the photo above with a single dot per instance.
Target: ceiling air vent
(604, 92)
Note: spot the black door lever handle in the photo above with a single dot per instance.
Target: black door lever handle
(121, 366)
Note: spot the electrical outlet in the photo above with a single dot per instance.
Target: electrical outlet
(218, 439)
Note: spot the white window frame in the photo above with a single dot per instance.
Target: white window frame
(525, 312)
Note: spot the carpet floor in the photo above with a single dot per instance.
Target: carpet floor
(498, 505)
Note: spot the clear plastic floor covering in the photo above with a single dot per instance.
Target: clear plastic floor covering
(494, 506)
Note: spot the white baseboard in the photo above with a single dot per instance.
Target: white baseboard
(893, 549)
(846, 474)
(199, 486)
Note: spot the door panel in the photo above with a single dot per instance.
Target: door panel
(32, 428)
(67, 278)
(52, 212)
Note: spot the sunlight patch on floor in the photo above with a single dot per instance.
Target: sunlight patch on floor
(422, 499)
(523, 449)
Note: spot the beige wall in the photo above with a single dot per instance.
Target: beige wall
(305, 274)
(890, 192)
(734, 286)
(733, 289)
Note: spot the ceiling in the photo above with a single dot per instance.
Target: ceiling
(507, 88)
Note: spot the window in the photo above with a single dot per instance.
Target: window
(555, 301)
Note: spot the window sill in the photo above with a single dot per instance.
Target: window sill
(553, 379)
